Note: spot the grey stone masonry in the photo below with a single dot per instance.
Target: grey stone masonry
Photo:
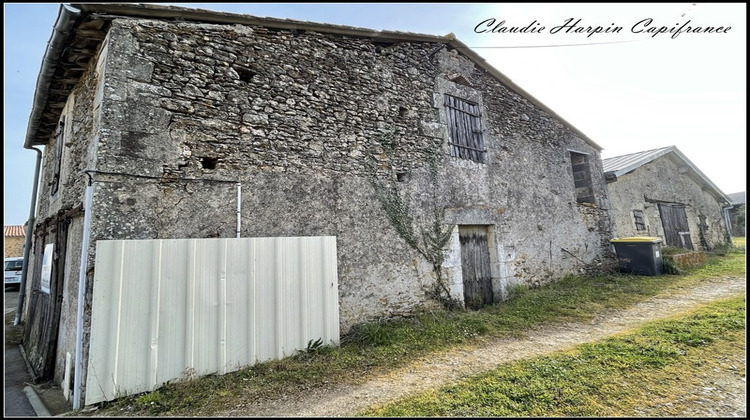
(172, 116)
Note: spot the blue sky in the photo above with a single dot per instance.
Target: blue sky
(629, 90)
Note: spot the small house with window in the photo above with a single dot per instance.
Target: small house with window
(441, 179)
(661, 193)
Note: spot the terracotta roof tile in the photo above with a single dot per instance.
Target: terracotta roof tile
(15, 230)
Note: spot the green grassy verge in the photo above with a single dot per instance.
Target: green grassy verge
(377, 347)
(613, 377)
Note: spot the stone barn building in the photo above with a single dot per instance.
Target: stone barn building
(737, 214)
(440, 178)
(661, 193)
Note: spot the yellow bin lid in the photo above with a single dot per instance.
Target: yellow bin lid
(652, 239)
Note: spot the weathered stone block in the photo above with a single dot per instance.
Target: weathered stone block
(688, 259)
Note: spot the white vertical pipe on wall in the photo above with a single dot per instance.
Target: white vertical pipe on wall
(29, 232)
(239, 208)
(82, 294)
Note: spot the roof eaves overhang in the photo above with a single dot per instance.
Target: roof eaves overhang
(637, 164)
(41, 114)
(210, 16)
(700, 177)
(694, 172)
(481, 62)
(70, 16)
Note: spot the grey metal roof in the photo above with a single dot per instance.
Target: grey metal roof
(737, 198)
(626, 163)
(621, 165)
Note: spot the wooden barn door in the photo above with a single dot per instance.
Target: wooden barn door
(475, 266)
(44, 306)
(675, 223)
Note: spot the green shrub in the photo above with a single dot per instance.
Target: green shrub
(670, 267)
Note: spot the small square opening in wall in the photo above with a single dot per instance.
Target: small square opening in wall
(209, 163)
(246, 75)
(382, 46)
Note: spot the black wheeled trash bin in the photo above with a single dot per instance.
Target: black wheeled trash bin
(639, 255)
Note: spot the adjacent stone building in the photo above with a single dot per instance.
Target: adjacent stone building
(15, 235)
(737, 214)
(661, 193)
(440, 178)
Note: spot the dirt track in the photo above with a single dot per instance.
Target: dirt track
(722, 395)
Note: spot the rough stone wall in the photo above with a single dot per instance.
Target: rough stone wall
(76, 158)
(81, 128)
(305, 122)
(661, 180)
(525, 191)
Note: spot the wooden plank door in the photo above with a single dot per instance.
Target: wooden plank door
(475, 266)
(44, 308)
(675, 223)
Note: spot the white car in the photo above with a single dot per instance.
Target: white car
(13, 268)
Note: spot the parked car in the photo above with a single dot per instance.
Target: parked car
(13, 268)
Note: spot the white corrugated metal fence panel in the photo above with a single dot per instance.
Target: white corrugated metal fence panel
(179, 308)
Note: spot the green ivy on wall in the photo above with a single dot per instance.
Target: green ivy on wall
(427, 236)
